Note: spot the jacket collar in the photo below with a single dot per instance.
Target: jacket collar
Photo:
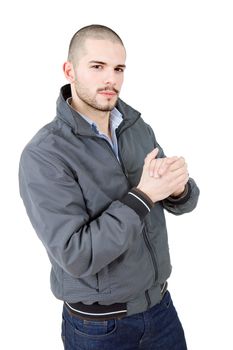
(81, 126)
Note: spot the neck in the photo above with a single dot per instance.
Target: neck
(100, 118)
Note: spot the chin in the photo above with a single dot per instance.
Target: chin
(106, 107)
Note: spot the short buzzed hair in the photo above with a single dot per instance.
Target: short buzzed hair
(94, 31)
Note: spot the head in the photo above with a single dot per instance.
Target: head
(95, 67)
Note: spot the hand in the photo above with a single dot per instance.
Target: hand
(158, 168)
(174, 176)
(180, 164)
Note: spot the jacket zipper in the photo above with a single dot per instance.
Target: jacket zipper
(118, 133)
(97, 279)
(153, 258)
(145, 237)
(121, 164)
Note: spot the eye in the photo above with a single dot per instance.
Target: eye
(97, 66)
(118, 69)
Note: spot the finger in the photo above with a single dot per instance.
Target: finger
(181, 180)
(162, 167)
(172, 159)
(150, 156)
(179, 163)
(180, 171)
(177, 175)
(165, 164)
(153, 168)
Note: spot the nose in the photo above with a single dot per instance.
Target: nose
(110, 77)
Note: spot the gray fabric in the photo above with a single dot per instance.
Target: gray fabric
(72, 184)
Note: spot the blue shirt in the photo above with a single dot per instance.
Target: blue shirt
(115, 120)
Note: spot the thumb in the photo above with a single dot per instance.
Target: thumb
(150, 156)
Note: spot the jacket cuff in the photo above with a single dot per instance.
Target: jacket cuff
(138, 201)
(183, 198)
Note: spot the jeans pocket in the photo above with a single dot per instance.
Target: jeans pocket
(63, 330)
(167, 300)
(103, 281)
(95, 329)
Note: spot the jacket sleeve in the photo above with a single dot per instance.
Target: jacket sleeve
(56, 208)
(185, 203)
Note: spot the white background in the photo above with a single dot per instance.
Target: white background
(180, 76)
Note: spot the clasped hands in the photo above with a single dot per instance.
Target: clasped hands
(163, 177)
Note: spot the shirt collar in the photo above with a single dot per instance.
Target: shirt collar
(79, 125)
(115, 117)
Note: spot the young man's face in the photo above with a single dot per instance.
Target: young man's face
(99, 74)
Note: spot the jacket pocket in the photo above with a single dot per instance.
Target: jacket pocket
(103, 281)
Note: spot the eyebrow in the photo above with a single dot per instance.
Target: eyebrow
(104, 63)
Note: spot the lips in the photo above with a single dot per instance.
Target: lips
(107, 93)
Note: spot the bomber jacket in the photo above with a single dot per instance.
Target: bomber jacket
(106, 242)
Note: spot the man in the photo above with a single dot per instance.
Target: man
(95, 184)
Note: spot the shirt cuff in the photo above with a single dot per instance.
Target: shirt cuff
(138, 201)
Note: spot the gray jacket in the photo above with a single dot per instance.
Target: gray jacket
(102, 243)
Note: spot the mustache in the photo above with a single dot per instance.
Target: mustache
(108, 88)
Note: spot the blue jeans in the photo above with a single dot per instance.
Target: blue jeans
(156, 329)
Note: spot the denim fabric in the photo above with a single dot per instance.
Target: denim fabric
(158, 328)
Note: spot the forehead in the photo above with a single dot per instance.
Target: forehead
(103, 50)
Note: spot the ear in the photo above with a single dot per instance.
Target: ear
(68, 70)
